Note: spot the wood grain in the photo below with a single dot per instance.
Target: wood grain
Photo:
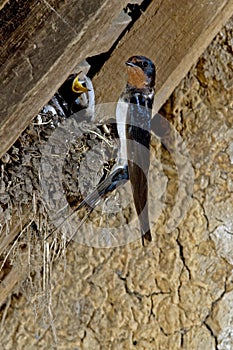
(173, 35)
(42, 42)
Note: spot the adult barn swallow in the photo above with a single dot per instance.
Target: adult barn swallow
(133, 117)
(139, 94)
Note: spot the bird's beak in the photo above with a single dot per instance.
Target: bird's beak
(77, 86)
(131, 64)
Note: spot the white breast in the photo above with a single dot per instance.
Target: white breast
(121, 115)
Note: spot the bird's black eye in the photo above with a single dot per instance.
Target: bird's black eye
(143, 64)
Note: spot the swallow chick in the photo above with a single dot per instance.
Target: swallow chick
(73, 95)
(133, 117)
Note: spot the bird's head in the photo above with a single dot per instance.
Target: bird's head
(141, 72)
(77, 85)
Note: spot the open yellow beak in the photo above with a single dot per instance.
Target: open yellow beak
(78, 87)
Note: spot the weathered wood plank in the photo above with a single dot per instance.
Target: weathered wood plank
(40, 47)
(173, 35)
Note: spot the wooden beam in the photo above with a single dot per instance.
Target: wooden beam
(173, 34)
(42, 41)
(33, 55)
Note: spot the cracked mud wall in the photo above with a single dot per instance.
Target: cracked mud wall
(177, 292)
